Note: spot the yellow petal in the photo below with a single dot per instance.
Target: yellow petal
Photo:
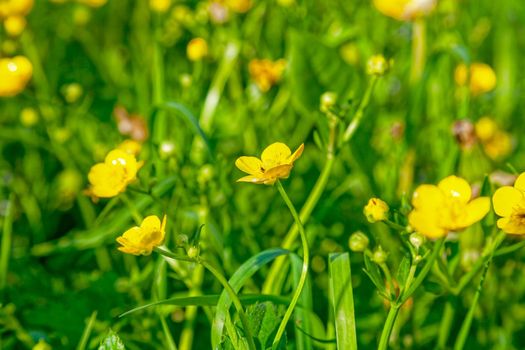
(279, 172)
(275, 154)
(106, 181)
(150, 224)
(118, 157)
(256, 179)
(504, 199)
(520, 182)
(512, 226)
(250, 165)
(296, 154)
(456, 188)
(426, 223)
(427, 196)
(476, 210)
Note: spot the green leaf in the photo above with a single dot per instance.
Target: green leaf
(111, 342)
(403, 270)
(264, 321)
(342, 298)
(243, 273)
(373, 272)
(301, 315)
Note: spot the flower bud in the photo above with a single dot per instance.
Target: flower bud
(328, 100)
(377, 65)
(167, 149)
(160, 6)
(181, 240)
(197, 49)
(28, 117)
(15, 25)
(379, 256)
(358, 242)
(417, 240)
(72, 92)
(193, 252)
(376, 210)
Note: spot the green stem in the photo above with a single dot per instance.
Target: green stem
(134, 212)
(446, 324)
(389, 324)
(6, 242)
(356, 120)
(418, 50)
(304, 272)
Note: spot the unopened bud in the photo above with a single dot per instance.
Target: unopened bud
(328, 100)
(379, 256)
(358, 242)
(417, 240)
(376, 210)
(193, 252)
(377, 65)
(181, 240)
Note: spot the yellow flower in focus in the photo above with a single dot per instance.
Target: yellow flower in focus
(276, 163)
(130, 146)
(481, 77)
(15, 73)
(93, 3)
(509, 203)
(110, 178)
(266, 73)
(15, 25)
(42, 345)
(160, 6)
(446, 207)
(376, 210)
(141, 240)
(405, 10)
(197, 49)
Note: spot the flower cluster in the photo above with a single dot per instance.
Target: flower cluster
(15, 73)
(266, 73)
(479, 77)
(119, 168)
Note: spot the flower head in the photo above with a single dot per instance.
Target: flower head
(496, 142)
(405, 10)
(276, 163)
(197, 49)
(110, 178)
(266, 73)
(376, 210)
(141, 240)
(160, 6)
(15, 73)
(446, 207)
(481, 77)
(130, 146)
(377, 65)
(509, 203)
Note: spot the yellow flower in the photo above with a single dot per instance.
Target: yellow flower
(28, 117)
(15, 25)
(377, 65)
(15, 7)
(141, 240)
(276, 163)
(197, 49)
(160, 6)
(481, 77)
(110, 178)
(486, 128)
(42, 345)
(446, 207)
(509, 203)
(239, 6)
(405, 10)
(266, 73)
(15, 73)
(130, 146)
(496, 142)
(93, 3)
(376, 210)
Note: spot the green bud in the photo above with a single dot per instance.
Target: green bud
(417, 240)
(379, 256)
(167, 149)
(181, 240)
(193, 252)
(328, 100)
(358, 242)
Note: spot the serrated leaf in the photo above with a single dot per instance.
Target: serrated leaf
(111, 342)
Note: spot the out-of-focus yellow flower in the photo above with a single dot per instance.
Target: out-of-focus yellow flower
(28, 117)
(276, 163)
(481, 77)
(446, 207)
(141, 240)
(160, 6)
(239, 6)
(15, 7)
(405, 10)
(93, 3)
(375, 210)
(42, 345)
(266, 73)
(15, 73)
(496, 143)
(377, 65)
(15, 25)
(72, 92)
(486, 128)
(197, 49)
(110, 178)
(130, 146)
(350, 53)
(509, 203)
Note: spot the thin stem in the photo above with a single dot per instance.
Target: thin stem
(418, 50)
(446, 324)
(389, 324)
(356, 120)
(6, 242)
(134, 213)
(304, 273)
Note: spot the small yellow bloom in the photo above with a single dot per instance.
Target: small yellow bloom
(197, 49)
(266, 73)
(405, 10)
(15, 73)
(160, 6)
(239, 6)
(276, 163)
(446, 207)
(110, 178)
(15, 25)
(496, 143)
(509, 203)
(141, 240)
(15, 7)
(376, 210)
(486, 128)
(481, 77)
(130, 146)
(28, 117)
(377, 65)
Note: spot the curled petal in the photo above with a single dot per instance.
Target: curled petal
(476, 210)
(256, 179)
(298, 152)
(275, 154)
(250, 165)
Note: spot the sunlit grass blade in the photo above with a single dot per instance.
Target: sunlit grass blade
(167, 334)
(87, 331)
(6, 242)
(343, 300)
(243, 273)
(301, 315)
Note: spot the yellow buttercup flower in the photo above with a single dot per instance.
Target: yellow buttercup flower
(509, 203)
(15, 7)
(446, 207)
(481, 77)
(110, 178)
(160, 6)
(141, 240)
(496, 143)
(405, 10)
(197, 49)
(15, 73)
(130, 146)
(376, 210)
(239, 6)
(266, 73)
(276, 163)
(15, 25)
